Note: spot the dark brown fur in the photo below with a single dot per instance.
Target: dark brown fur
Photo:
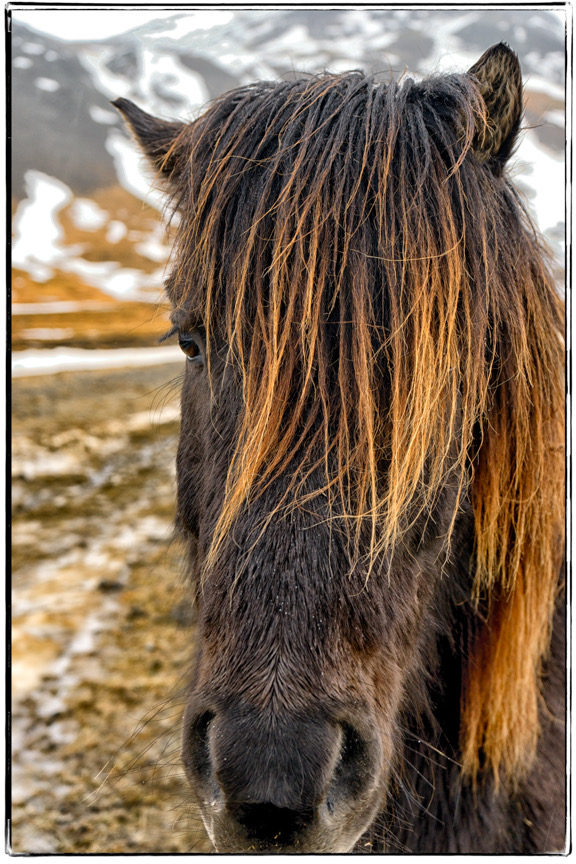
(370, 472)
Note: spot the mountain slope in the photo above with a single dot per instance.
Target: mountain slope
(54, 103)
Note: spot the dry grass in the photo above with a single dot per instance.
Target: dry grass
(118, 325)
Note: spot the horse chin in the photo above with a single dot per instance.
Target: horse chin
(331, 831)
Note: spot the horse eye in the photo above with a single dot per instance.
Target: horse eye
(190, 347)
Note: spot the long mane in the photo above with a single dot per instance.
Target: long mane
(388, 308)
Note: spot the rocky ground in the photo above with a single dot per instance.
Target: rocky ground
(102, 628)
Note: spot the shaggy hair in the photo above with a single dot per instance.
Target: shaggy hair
(387, 307)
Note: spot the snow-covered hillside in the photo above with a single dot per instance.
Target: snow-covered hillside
(73, 161)
(63, 123)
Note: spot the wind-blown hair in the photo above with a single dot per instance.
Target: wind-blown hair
(386, 304)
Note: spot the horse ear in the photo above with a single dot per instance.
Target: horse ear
(499, 78)
(156, 137)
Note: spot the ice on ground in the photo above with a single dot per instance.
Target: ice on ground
(48, 361)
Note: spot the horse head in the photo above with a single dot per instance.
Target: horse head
(368, 473)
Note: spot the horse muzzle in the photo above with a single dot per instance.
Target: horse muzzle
(282, 784)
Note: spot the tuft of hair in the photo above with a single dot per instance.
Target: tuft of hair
(387, 305)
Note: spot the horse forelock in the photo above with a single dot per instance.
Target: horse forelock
(385, 300)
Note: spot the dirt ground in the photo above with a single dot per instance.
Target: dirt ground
(103, 631)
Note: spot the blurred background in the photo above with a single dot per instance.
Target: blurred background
(102, 629)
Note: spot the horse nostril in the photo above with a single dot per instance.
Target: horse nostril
(271, 824)
(196, 745)
(353, 764)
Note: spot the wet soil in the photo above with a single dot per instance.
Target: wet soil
(103, 630)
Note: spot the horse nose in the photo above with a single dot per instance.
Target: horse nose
(268, 779)
(260, 758)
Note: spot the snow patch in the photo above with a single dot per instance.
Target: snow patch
(46, 464)
(47, 361)
(557, 118)
(165, 74)
(37, 232)
(295, 40)
(33, 48)
(38, 242)
(87, 215)
(543, 85)
(116, 231)
(47, 84)
(22, 63)
(203, 20)
(544, 175)
(131, 170)
(100, 115)
(153, 247)
(123, 283)
(95, 62)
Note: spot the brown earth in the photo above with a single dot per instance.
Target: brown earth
(103, 631)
